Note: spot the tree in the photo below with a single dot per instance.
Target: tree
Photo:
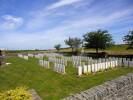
(57, 47)
(129, 39)
(99, 39)
(74, 43)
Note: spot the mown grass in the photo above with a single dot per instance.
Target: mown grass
(116, 49)
(49, 84)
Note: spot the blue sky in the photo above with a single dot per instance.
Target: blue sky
(30, 24)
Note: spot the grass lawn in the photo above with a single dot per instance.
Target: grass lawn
(49, 84)
(116, 49)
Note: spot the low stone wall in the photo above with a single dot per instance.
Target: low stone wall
(117, 89)
(35, 96)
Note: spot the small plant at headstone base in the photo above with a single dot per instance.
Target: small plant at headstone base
(20, 93)
(100, 70)
(110, 68)
(88, 73)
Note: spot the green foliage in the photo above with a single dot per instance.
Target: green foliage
(19, 93)
(98, 40)
(57, 47)
(74, 43)
(129, 39)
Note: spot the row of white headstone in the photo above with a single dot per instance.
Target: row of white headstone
(93, 68)
(53, 55)
(67, 58)
(23, 56)
(20, 55)
(56, 60)
(30, 55)
(81, 58)
(44, 63)
(59, 68)
(128, 63)
(39, 56)
(78, 63)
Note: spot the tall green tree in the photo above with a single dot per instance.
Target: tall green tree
(74, 43)
(128, 39)
(57, 47)
(99, 39)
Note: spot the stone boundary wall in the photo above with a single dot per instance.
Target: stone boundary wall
(118, 89)
(35, 96)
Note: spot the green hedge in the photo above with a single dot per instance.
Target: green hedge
(19, 93)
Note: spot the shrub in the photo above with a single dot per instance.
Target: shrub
(19, 93)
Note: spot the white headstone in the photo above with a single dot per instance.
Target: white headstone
(96, 67)
(85, 69)
(79, 70)
(26, 57)
(89, 69)
(93, 67)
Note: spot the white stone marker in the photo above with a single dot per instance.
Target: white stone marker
(116, 63)
(85, 69)
(30, 55)
(79, 70)
(108, 63)
(113, 64)
(96, 69)
(125, 62)
(103, 66)
(99, 66)
(89, 69)
(93, 67)
(46, 64)
(26, 57)
(131, 63)
(59, 68)
(41, 62)
(120, 62)
(63, 70)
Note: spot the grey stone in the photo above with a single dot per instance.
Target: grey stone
(117, 89)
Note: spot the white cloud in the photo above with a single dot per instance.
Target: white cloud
(62, 3)
(11, 22)
(43, 16)
(74, 23)
(30, 40)
(92, 21)
(77, 27)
